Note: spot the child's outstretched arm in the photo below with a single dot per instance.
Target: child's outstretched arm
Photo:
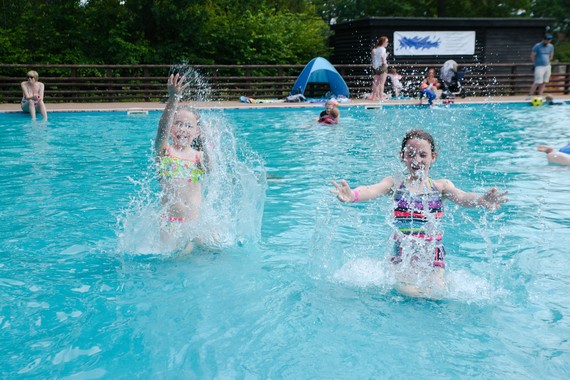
(492, 199)
(362, 193)
(176, 87)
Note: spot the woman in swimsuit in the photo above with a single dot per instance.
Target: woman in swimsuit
(418, 209)
(33, 95)
(380, 68)
(181, 164)
(429, 87)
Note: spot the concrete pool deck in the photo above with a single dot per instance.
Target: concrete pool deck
(157, 106)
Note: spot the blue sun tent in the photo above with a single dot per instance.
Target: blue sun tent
(319, 70)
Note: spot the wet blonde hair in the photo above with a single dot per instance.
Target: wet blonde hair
(33, 73)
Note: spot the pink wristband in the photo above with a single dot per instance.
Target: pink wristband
(356, 195)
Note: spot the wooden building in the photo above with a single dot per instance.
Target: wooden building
(497, 40)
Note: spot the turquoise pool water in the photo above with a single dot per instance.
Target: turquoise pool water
(303, 294)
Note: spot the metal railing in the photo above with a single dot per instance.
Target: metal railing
(131, 83)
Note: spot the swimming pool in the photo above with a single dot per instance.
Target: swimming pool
(307, 296)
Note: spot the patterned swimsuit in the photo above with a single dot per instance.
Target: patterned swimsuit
(173, 167)
(417, 217)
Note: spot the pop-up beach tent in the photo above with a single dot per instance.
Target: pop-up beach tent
(319, 70)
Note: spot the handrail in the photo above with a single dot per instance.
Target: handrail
(107, 83)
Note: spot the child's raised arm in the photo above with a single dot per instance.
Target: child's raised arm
(362, 193)
(492, 199)
(176, 87)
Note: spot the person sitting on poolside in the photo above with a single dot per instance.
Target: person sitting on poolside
(560, 157)
(33, 94)
(429, 87)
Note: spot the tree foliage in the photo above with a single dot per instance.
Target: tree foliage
(347, 10)
(159, 31)
(214, 31)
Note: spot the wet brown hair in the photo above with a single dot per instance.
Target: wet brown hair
(417, 134)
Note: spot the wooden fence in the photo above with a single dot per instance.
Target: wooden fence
(131, 83)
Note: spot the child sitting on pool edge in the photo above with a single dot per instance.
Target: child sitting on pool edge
(331, 114)
(418, 210)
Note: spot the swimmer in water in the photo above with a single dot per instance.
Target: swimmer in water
(418, 210)
(181, 164)
(331, 114)
(560, 157)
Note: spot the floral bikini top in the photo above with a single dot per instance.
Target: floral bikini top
(173, 167)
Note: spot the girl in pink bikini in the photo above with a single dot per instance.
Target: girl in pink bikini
(33, 95)
(181, 165)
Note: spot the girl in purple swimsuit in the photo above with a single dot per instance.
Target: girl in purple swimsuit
(418, 209)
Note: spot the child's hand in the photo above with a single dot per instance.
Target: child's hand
(176, 85)
(492, 199)
(343, 191)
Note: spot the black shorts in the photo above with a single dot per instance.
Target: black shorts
(381, 70)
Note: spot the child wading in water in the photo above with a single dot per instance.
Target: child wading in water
(181, 167)
(418, 209)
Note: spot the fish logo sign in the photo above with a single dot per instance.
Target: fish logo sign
(418, 43)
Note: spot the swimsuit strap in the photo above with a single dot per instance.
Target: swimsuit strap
(432, 184)
(429, 181)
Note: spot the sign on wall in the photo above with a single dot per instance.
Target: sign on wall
(434, 43)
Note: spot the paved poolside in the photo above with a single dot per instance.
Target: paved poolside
(151, 106)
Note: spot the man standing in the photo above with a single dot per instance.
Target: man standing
(541, 56)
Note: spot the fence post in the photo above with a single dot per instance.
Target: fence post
(512, 82)
(567, 79)
(146, 74)
(73, 75)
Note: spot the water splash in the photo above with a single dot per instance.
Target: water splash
(199, 89)
(233, 192)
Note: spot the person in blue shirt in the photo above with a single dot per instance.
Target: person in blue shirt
(541, 55)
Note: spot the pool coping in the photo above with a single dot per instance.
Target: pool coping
(157, 106)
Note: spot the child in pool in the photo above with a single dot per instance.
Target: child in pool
(418, 208)
(331, 114)
(553, 102)
(181, 164)
(560, 157)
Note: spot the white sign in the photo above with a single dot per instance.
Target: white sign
(434, 43)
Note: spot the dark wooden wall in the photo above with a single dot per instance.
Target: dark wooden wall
(504, 40)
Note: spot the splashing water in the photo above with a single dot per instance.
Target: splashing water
(199, 89)
(233, 191)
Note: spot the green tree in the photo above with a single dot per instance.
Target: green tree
(348, 10)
